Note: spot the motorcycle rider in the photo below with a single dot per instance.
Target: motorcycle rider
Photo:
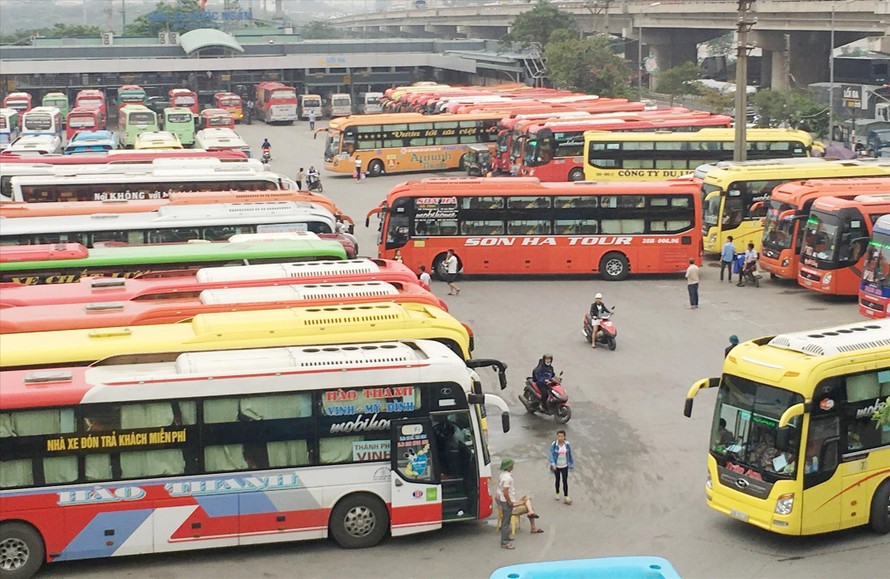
(544, 375)
(267, 147)
(312, 177)
(749, 267)
(597, 310)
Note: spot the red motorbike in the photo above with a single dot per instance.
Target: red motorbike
(557, 403)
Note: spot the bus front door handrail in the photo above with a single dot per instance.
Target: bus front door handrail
(693, 390)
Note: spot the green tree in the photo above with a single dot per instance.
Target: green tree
(175, 16)
(536, 26)
(58, 30)
(587, 65)
(318, 30)
(791, 109)
(679, 81)
(774, 107)
(720, 46)
(716, 101)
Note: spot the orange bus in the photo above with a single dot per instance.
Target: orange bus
(789, 207)
(186, 305)
(520, 226)
(161, 288)
(230, 102)
(835, 242)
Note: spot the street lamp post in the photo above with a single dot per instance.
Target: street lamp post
(640, 52)
(831, 79)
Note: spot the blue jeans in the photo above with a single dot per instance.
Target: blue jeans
(506, 517)
(693, 294)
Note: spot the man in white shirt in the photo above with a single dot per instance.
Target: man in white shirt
(425, 278)
(506, 496)
(692, 284)
(451, 265)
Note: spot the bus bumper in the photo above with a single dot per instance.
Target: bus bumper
(754, 511)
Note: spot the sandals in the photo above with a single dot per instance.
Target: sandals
(536, 531)
(508, 546)
(534, 516)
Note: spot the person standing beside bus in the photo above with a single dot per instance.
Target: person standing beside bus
(451, 266)
(692, 284)
(727, 257)
(424, 278)
(300, 176)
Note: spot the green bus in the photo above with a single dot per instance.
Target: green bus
(58, 100)
(133, 120)
(68, 262)
(181, 122)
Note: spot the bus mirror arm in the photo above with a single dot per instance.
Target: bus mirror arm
(492, 400)
(693, 390)
(791, 412)
(500, 368)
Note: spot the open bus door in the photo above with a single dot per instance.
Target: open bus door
(416, 495)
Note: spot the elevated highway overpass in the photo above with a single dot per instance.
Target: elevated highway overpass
(794, 34)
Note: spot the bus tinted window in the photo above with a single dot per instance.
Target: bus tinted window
(141, 118)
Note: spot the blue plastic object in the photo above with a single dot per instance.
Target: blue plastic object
(738, 263)
(603, 568)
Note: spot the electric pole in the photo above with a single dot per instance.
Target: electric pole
(740, 152)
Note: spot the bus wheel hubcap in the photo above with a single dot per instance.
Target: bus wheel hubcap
(359, 521)
(14, 554)
(613, 267)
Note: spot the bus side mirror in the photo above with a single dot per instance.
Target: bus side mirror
(759, 206)
(791, 413)
(505, 421)
(786, 215)
(693, 390)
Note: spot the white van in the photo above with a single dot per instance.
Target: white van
(219, 139)
(36, 145)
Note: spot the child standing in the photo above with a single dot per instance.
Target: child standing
(425, 278)
(561, 461)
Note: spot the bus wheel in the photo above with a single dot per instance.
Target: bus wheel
(375, 168)
(359, 521)
(21, 550)
(880, 509)
(613, 266)
(576, 174)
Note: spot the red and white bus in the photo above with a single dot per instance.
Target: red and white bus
(124, 157)
(184, 98)
(874, 288)
(554, 151)
(523, 227)
(276, 102)
(93, 99)
(237, 447)
(83, 119)
(835, 242)
(789, 207)
(156, 290)
(230, 102)
(18, 101)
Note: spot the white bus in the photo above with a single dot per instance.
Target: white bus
(341, 105)
(43, 121)
(151, 184)
(310, 103)
(17, 168)
(169, 224)
(221, 139)
(10, 128)
(369, 103)
(35, 146)
(240, 447)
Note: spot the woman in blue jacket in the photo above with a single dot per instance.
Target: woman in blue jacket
(561, 461)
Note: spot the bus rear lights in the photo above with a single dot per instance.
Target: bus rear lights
(785, 504)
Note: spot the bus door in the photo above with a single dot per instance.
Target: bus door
(823, 491)
(457, 463)
(414, 482)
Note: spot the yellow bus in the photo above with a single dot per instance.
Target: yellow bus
(392, 143)
(658, 155)
(735, 196)
(239, 330)
(793, 448)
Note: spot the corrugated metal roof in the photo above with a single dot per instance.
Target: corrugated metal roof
(206, 38)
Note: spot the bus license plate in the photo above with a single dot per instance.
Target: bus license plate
(739, 515)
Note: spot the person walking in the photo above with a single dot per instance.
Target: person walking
(692, 284)
(425, 278)
(509, 506)
(300, 176)
(727, 257)
(451, 273)
(733, 342)
(311, 120)
(561, 462)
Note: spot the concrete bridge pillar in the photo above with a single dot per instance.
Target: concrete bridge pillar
(774, 71)
(670, 55)
(809, 56)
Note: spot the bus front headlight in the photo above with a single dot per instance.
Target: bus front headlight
(712, 239)
(708, 482)
(785, 504)
(827, 279)
(785, 262)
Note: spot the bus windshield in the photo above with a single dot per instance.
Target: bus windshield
(230, 101)
(778, 233)
(820, 237)
(332, 146)
(81, 121)
(877, 263)
(532, 155)
(711, 205)
(283, 94)
(141, 118)
(38, 122)
(179, 118)
(745, 437)
(90, 102)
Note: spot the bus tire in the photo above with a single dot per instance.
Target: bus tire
(375, 168)
(21, 550)
(359, 520)
(439, 267)
(614, 266)
(880, 509)
(576, 174)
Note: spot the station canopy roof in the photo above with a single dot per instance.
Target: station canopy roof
(202, 38)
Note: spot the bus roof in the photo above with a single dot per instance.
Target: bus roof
(707, 134)
(226, 331)
(471, 186)
(390, 118)
(795, 192)
(172, 216)
(179, 252)
(186, 305)
(882, 224)
(787, 359)
(782, 170)
(879, 203)
(121, 289)
(124, 157)
(417, 361)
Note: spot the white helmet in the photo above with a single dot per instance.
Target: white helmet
(598, 296)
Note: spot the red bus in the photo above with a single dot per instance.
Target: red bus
(874, 288)
(93, 99)
(184, 98)
(157, 289)
(125, 157)
(83, 119)
(523, 227)
(789, 207)
(217, 118)
(276, 102)
(508, 125)
(18, 101)
(554, 151)
(230, 102)
(184, 306)
(835, 242)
